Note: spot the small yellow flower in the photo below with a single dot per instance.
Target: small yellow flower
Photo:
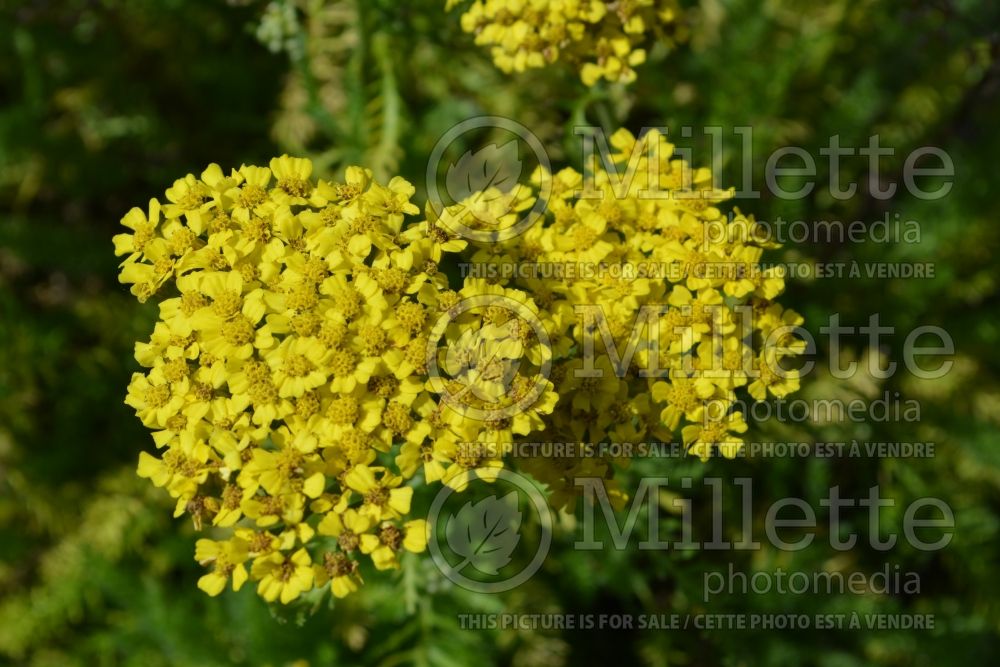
(341, 572)
(227, 559)
(384, 546)
(348, 527)
(144, 229)
(382, 496)
(715, 434)
(292, 175)
(283, 577)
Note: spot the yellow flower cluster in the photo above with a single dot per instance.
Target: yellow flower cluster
(603, 39)
(639, 267)
(287, 374)
(312, 365)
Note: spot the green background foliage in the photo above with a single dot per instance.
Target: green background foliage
(104, 103)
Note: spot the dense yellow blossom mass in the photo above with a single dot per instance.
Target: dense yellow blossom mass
(313, 365)
(604, 40)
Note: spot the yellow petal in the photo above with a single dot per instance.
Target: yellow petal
(239, 577)
(343, 586)
(330, 525)
(212, 583)
(399, 499)
(313, 487)
(416, 536)
(361, 479)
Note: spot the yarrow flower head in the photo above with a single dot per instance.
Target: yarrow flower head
(286, 383)
(313, 366)
(658, 309)
(604, 40)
